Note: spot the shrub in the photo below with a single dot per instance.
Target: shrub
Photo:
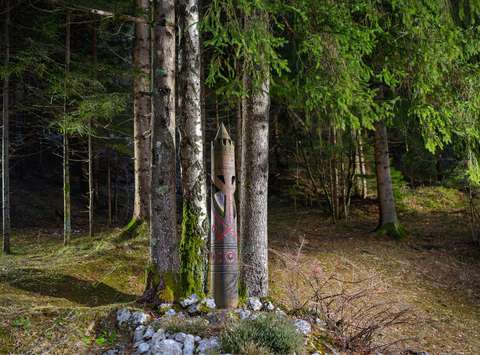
(269, 333)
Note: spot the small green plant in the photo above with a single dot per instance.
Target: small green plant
(267, 333)
(106, 337)
(22, 323)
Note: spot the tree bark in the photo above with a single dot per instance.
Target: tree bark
(388, 221)
(67, 223)
(362, 166)
(109, 191)
(193, 248)
(5, 139)
(254, 181)
(162, 279)
(90, 147)
(142, 114)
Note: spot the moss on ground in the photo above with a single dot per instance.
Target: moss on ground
(53, 296)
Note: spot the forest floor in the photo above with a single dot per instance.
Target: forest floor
(54, 298)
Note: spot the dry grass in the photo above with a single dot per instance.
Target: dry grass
(435, 272)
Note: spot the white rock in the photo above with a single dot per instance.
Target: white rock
(158, 336)
(197, 338)
(193, 299)
(303, 326)
(209, 303)
(208, 344)
(170, 312)
(138, 334)
(180, 337)
(148, 333)
(189, 345)
(167, 347)
(143, 348)
(244, 313)
(123, 315)
(193, 309)
(280, 313)
(138, 318)
(268, 306)
(254, 303)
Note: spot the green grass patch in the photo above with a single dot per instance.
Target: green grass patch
(268, 333)
(195, 326)
(434, 198)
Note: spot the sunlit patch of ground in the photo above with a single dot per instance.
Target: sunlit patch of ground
(52, 298)
(435, 272)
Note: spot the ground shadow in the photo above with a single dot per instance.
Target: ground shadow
(83, 292)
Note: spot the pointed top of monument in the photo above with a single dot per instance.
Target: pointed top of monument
(222, 133)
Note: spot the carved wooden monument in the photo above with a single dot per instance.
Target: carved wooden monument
(224, 246)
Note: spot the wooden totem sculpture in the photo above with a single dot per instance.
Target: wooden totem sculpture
(224, 246)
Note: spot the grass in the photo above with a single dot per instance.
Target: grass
(62, 300)
(271, 334)
(435, 271)
(53, 297)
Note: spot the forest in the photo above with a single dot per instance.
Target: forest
(240, 177)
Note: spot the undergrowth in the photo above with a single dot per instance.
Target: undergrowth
(268, 334)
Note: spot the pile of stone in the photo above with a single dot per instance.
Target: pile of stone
(148, 341)
(150, 338)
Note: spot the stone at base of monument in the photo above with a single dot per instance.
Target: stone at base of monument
(224, 244)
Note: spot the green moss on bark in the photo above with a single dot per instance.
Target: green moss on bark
(166, 285)
(132, 229)
(394, 230)
(192, 246)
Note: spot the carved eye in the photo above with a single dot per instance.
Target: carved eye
(233, 180)
(222, 178)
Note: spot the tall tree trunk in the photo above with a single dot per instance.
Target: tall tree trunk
(142, 114)
(90, 148)
(388, 222)
(163, 274)
(363, 165)
(67, 223)
(193, 249)
(109, 192)
(254, 178)
(5, 139)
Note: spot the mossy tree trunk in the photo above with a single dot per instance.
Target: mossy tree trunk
(163, 274)
(388, 221)
(5, 137)
(142, 113)
(193, 249)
